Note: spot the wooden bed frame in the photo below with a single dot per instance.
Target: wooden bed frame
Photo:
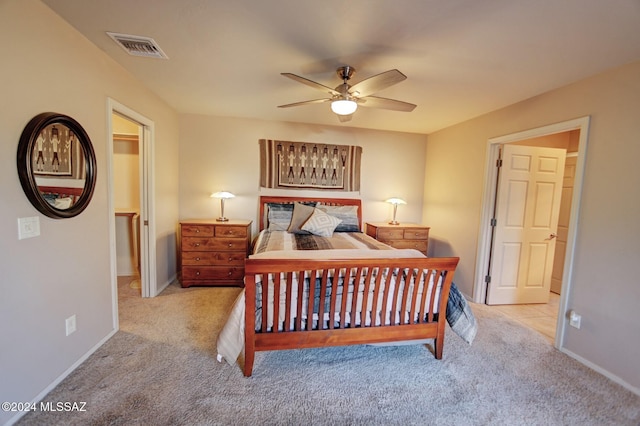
(338, 333)
(60, 191)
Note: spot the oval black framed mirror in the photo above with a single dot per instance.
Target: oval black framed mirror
(56, 165)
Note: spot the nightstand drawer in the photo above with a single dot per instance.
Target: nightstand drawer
(390, 233)
(212, 273)
(197, 230)
(213, 258)
(231, 231)
(407, 244)
(213, 244)
(416, 234)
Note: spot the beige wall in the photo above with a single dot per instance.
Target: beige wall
(222, 154)
(605, 286)
(48, 66)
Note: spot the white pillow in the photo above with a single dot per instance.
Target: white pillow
(63, 203)
(320, 223)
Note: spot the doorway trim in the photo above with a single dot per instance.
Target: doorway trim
(489, 195)
(147, 253)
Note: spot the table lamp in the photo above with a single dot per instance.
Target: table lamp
(222, 195)
(395, 202)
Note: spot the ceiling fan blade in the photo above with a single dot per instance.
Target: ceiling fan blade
(310, 83)
(344, 118)
(315, 101)
(376, 83)
(384, 103)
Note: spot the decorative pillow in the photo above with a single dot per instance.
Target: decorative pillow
(347, 214)
(50, 198)
(279, 216)
(321, 223)
(62, 203)
(301, 213)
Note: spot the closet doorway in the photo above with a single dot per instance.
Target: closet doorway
(126, 198)
(140, 235)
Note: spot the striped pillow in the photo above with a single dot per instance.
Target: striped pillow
(347, 214)
(279, 216)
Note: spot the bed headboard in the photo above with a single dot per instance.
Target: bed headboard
(59, 191)
(264, 200)
(60, 197)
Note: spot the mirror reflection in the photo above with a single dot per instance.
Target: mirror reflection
(58, 166)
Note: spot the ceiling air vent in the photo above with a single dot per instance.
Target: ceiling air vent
(138, 46)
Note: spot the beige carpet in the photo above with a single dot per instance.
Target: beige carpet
(160, 369)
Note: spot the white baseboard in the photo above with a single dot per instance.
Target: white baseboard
(602, 371)
(63, 376)
(167, 283)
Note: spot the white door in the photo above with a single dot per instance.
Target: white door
(526, 220)
(563, 223)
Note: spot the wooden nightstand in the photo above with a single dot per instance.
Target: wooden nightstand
(405, 235)
(213, 253)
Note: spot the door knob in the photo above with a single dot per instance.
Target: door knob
(552, 236)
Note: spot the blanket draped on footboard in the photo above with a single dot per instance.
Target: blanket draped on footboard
(351, 297)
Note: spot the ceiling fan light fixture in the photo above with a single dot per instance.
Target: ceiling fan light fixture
(344, 106)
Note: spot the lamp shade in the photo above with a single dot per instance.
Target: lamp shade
(396, 201)
(223, 195)
(344, 106)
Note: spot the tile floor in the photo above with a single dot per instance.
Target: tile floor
(540, 317)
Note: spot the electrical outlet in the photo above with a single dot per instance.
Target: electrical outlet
(70, 324)
(574, 319)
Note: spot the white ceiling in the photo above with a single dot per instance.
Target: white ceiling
(463, 58)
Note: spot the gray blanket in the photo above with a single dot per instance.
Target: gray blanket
(460, 317)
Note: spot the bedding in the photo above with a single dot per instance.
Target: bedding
(284, 245)
(60, 197)
(337, 287)
(230, 341)
(271, 245)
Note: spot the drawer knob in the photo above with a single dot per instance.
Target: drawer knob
(197, 258)
(230, 245)
(230, 258)
(197, 273)
(197, 244)
(229, 273)
(197, 231)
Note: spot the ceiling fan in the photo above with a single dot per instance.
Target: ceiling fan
(346, 98)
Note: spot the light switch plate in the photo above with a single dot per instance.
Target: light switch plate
(28, 227)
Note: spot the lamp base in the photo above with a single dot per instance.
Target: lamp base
(394, 222)
(222, 219)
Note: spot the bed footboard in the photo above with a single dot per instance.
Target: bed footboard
(293, 304)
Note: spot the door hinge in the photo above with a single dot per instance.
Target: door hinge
(487, 279)
(499, 162)
(494, 221)
(146, 223)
